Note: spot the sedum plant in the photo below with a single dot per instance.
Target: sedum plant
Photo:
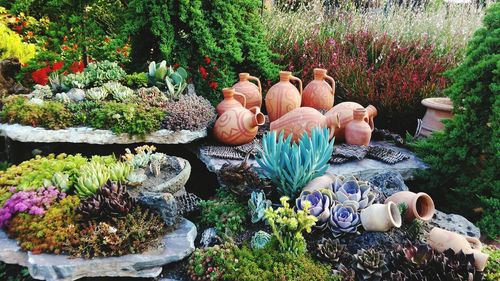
(174, 81)
(257, 204)
(288, 225)
(291, 166)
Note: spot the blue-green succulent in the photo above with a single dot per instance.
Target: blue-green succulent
(257, 204)
(260, 240)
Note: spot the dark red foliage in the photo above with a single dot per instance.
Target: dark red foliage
(374, 69)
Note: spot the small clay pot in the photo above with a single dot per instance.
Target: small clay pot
(344, 110)
(318, 94)
(238, 125)
(229, 101)
(252, 92)
(381, 217)
(437, 110)
(420, 205)
(283, 97)
(303, 120)
(357, 131)
(442, 240)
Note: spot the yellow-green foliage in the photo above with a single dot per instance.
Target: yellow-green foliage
(492, 270)
(5, 194)
(11, 45)
(50, 232)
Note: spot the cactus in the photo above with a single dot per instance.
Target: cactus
(257, 205)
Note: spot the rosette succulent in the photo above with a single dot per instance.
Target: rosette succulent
(119, 92)
(96, 94)
(41, 92)
(260, 239)
(352, 190)
(62, 97)
(119, 171)
(92, 176)
(321, 203)
(370, 264)
(258, 205)
(344, 218)
(331, 250)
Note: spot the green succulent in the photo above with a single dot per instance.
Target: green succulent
(96, 94)
(74, 80)
(156, 161)
(257, 204)
(61, 181)
(56, 82)
(119, 171)
(174, 81)
(41, 92)
(92, 177)
(119, 92)
(136, 177)
(370, 264)
(260, 240)
(331, 250)
(62, 97)
(98, 73)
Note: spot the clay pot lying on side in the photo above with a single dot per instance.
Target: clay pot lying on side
(420, 205)
(303, 120)
(322, 182)
(442, 240)
(381, 217)
(238, 125)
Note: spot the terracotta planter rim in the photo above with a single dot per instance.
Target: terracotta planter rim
(428, 204)
(442, 103)
(394, 214)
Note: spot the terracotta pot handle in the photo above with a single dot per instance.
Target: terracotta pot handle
(293, 78)
(258, 83)
(259, 119)
(475, 243)
(242, 96)
(333, 83)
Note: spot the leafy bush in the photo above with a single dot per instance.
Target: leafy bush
(492, 270)
(464, 159)
(290, 166)
(5, 194)
(50, 114)
(226, 213)
(128, 118)
(11, 45)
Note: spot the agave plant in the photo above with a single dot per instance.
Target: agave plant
(290, 166)
(370, 264)
(321, 203)
(344, 218)
(173, 80)
(352, 190)
(257, 205)
(331, 250)
(260, 239)
(96, 94)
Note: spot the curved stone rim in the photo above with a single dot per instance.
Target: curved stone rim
(88, 135)
(442, 103)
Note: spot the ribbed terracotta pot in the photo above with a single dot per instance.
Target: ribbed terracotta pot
(252, 92)
(381, 217)
(230, 101)
(318, 93)
(437, 110)
(442, 240)
(283, 97)
(357, 131)
(303, 120)
(345, 112)
(420, 205)
(238, 125)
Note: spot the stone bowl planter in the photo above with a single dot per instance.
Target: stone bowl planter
(177, 245)
(437, 110)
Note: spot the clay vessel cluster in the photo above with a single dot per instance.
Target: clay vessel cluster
(345, 110)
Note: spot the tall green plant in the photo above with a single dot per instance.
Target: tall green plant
(464, 160)
(291, 166)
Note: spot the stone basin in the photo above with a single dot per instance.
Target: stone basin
(177, 245)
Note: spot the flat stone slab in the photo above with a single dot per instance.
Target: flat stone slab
(177, 245)
(95, 136)
(363, 169)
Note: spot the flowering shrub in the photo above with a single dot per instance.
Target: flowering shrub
(374, 69)
(31, 202)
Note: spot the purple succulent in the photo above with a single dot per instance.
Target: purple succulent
(321, 203)
(352, 190)
(344, 218)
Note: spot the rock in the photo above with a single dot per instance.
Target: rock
(455, 223)
(8, 86)
(22, 133)
(163, 204)
(76, 94)
(209, 238)
(178, 245)
(388, 182)
(383, 241)
(180, 168)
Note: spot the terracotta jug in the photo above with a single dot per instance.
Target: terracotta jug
(321, 182)
(381, 217)
(420, 205)
(344, 109)
(303, 120)
(318, 94)
(252, 92)
(283, 97)
(442, 240)
(357, 131)
(229, 100)
(238, 125)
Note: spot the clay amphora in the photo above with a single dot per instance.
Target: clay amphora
(318, 94)
(229, 100)
(252, 92)
(357, 131)
(437, 110)
(381, 217)
(283, 97)
(420, 205)
(344, 109)
(321, 182)
(238, 125)
(303, 120)
(442, 240)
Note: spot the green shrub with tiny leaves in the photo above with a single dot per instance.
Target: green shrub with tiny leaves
(226, 213)
(492, 270)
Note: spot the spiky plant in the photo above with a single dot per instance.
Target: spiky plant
(331, 250)
(370, 264)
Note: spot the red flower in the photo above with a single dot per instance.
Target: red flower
(41, 76)
(25, 23)
(207, 60)
(57, 65)
(106, 40)
(18, 28)
(214, 85)
(76, 66)
(203, 72)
